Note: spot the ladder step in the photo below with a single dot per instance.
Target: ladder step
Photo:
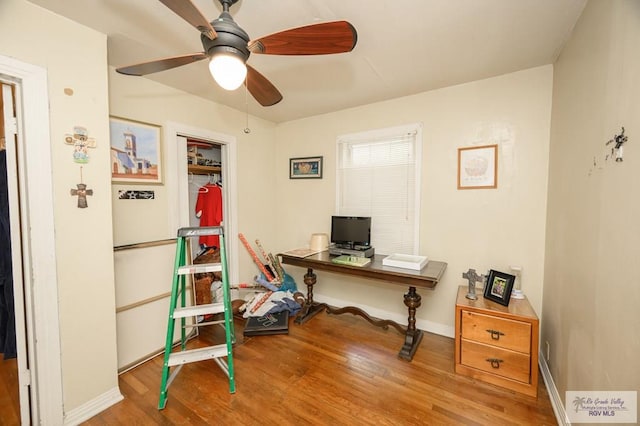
(200, 231)
(195, 355)
(204, 324)
(199, 268)
(192, 311)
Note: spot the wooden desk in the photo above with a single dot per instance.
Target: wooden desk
(428, 277)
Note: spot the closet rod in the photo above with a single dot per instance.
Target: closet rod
(145, 244)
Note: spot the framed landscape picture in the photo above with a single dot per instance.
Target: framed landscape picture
(136, 152)
(305, 168)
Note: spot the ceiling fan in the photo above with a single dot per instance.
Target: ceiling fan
(227, 46)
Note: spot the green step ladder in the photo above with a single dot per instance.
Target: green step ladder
(179, 358)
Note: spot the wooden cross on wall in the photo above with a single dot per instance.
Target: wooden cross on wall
(81, 192)
(472, 277)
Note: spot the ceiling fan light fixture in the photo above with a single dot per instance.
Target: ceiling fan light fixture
(228, 47)
(228, 69)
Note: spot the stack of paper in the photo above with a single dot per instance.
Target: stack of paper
(301, 252)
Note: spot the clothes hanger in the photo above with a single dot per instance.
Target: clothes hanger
(214, 179)
(201, 189)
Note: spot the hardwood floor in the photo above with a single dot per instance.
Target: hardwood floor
(335, 369)
(9, 395)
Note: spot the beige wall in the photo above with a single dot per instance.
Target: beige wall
(75, 58)
(481, 229)
(591, 293)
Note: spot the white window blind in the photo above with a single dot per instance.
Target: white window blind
(379, 176)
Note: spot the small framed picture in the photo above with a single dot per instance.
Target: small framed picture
(136, 152)
(305, 168)
(498, 287)
(478, 167)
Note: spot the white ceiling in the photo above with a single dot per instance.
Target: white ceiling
(404, 46)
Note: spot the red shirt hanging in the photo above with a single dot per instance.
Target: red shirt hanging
(209, 208)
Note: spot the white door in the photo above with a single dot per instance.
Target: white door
(16, 252)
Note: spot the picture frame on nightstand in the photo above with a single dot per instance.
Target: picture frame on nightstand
(499, 286)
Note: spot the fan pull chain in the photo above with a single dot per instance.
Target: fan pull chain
(247, 130)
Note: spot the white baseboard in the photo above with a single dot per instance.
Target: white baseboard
(431, 327)
(556, 400)
(93, 407)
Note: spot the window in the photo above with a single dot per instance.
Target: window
(378, 175)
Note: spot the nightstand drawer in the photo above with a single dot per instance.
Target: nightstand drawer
(501, 332)
(501, 362)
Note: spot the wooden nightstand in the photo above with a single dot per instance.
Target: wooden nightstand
(497, 344)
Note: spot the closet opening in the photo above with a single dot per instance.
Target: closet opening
(206, 199)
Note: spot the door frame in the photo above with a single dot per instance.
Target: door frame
(38, 260)
(178, 187)
(20, 322)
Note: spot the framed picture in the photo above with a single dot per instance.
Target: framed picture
(498, 287)
(136, 154)
(478, 167)
(305, 168)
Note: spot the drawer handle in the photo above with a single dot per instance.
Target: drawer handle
(495, 334)
(495, 362)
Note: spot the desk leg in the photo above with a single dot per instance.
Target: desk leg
(310, 308)
(382, 323)
(412, 300)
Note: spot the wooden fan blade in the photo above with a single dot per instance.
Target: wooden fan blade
(190, 13)
(261, 89)
(315, 39)
(161, 64)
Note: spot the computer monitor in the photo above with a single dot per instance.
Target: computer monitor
(351, 231)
